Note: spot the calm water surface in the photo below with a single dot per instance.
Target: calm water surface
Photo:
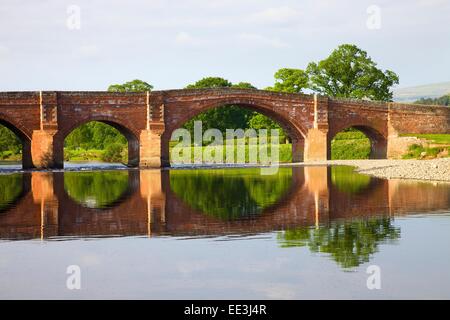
(306, 232)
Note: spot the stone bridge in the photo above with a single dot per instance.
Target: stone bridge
(42, 120)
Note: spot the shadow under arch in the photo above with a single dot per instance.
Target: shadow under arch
(25, 140)
(129, 133)
(378, 141)
(296, 133)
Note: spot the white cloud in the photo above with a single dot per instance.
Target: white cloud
(283, 14)
(185, 38)
(260, 40)
(4, 51)
(87, 51)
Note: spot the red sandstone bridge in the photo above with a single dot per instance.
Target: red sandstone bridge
(42, 120)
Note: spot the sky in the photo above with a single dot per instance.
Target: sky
(88, 45)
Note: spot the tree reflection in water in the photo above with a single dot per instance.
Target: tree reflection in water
(10, 189)
(96, 189)
(230, 193)
(349, 243)
(347, 180)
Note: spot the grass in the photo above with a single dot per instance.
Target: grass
(10, 156)
(82, 154)
(434, 138)
(441, 148)
(417, 151)
(285, 152)
(350, 145)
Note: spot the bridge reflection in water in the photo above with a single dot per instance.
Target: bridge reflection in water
(212, 202)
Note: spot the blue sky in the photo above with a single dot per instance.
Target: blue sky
(173, 43)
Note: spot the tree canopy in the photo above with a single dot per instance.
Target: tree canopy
(131, 86)
(210, 82)
(348, 72)
(290, 80)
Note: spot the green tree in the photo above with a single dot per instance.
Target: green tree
(9, 141)
(131, 86)
(290, 80)
(243, 85)
(350, 73)
(210, 82)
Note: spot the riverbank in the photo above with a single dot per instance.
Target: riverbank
(427, 170)
(430, 170)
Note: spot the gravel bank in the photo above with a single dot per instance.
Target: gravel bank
(435, 169)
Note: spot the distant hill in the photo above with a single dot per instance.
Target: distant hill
(412, 94)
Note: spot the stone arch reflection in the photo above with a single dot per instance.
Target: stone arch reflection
(97, 189)
(230, 194)
(152, 208)
(345, 179)
(13, 187)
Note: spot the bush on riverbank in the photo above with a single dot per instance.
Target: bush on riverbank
(439, 146)
(349, 145)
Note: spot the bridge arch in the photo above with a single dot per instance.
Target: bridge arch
(22, 134)
(378, 140)
(294, 130)
(131, 134)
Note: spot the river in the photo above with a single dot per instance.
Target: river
(302, 233)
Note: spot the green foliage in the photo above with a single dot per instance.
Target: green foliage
(210, 82)
(10, 189)
(350, 145)
(131, 86)
(347, 180)
(417, 151)
(10, 144)
(438, 138)
(230, 194)
(243, 85)
(96, 189)
(350, 73)
(94, 135)
(347, 73)
(348, 243)
(443, 101)
(225, 117)
(290, 81)
(114, 152)
(285, 151)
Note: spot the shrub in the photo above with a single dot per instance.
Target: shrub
(113, 153)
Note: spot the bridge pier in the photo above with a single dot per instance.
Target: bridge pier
(46, 150)
(150, 146)
(316, 146)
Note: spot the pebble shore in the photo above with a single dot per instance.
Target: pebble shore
(431, 170)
